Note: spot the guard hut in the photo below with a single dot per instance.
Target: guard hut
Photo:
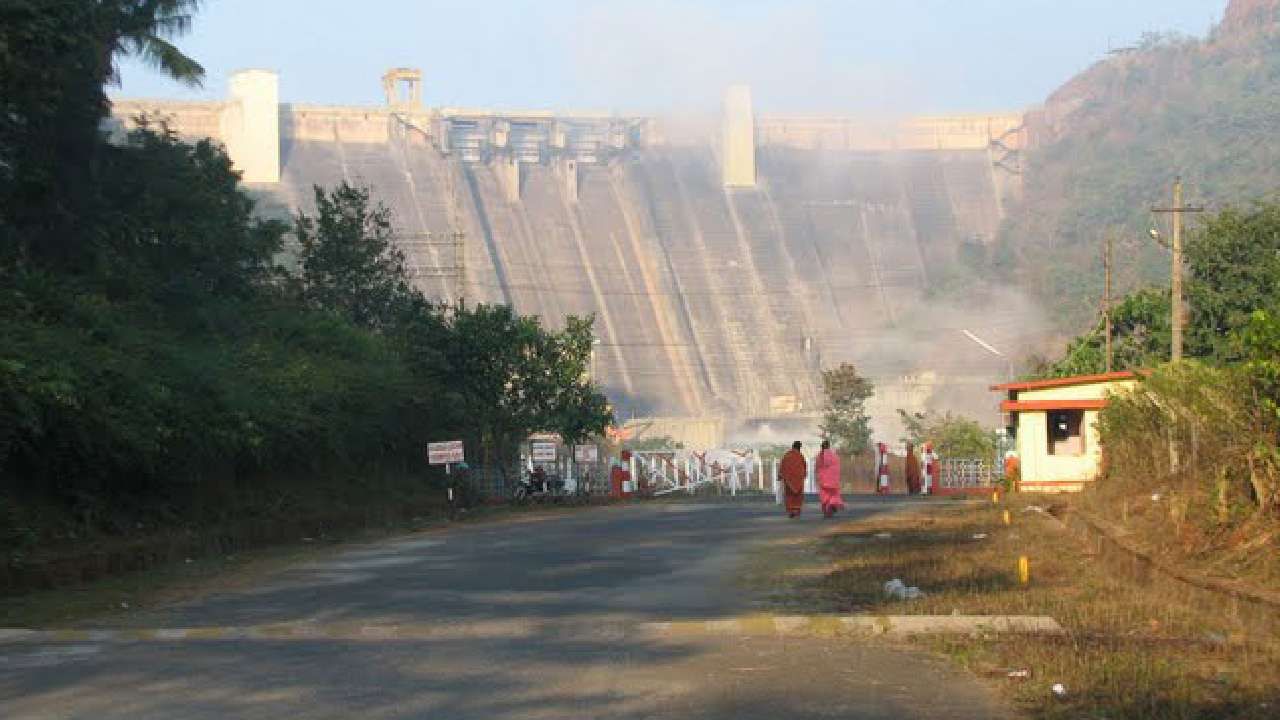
(1054, 423)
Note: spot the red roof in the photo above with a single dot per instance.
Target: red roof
(1036, 405)
(1066, 381)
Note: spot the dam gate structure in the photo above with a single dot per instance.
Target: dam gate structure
(724, 272)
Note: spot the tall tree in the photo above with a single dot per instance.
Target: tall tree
(143, 28)
(349, 260)
(845, 419)
(1234, 263)
(55, 58)
(575, 407)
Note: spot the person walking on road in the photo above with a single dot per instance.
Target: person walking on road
(829, 480)
(913, 471)
(792, 473)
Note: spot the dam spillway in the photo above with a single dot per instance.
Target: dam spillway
(711, 298)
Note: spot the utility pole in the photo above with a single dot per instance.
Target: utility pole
(1177, 315)
(1106, 293)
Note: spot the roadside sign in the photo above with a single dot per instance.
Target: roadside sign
(543, 451)
(444, 453)
(586, 453)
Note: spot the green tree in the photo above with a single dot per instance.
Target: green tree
(953, 436)
(514, 377)
(143, 28)
(183, 231)
(574, 407)
(350, 264)
(55, 58)
(1233, 260)
(845, 420)
(1259, 345)
(1140, 337)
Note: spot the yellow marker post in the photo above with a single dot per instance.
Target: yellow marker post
(1024, 570)
(995, 497)
(1008, 519)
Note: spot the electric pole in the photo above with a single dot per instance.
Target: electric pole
(1106, 293)
(1175, 292)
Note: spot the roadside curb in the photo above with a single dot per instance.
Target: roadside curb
(890, 625)
(755, 625)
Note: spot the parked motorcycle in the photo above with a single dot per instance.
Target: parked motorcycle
(536, 484)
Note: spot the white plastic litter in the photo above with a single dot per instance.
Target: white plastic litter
(1059, 689)
(979, 536)
(899, 590)
(1155, 497)
(884, 535)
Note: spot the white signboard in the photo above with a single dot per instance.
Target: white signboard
(444, 453)
(543, 451)
(586, 453)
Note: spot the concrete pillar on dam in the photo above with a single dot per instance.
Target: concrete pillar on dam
(251, 125)
(507, 168)
(738, 136)
(567, 168)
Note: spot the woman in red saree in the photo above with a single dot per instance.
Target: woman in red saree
(914, 478)
(792, 472)
(828, 463)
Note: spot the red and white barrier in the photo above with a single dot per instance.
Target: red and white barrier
(930, 469)
(882, 469)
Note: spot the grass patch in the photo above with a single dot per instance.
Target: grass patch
(1137, 646)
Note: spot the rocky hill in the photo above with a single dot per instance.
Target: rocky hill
(1109, 142)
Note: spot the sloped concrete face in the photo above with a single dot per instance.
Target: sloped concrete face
(724, 273)
(708, 301)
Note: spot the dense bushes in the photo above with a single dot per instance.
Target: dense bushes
(1202, 429)
(952, 436)
(159, 367)
(1204, 442)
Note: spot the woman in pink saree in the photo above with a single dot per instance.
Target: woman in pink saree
(829, 480)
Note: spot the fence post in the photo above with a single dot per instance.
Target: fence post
(777, 487)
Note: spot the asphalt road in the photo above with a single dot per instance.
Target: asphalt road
(577, 616)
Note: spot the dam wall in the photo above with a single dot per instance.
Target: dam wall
(721, 286)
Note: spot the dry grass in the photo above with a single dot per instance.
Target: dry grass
(1138, 645)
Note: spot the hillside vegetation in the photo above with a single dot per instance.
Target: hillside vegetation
(1110, 142)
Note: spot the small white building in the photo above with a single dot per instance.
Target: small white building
(1054, 423)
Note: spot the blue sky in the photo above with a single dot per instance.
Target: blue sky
(658, 56)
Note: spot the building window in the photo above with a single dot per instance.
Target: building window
(1066, 432)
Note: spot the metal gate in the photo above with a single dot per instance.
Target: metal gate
(732, 472)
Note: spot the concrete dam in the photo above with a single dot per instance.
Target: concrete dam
(725, 268)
